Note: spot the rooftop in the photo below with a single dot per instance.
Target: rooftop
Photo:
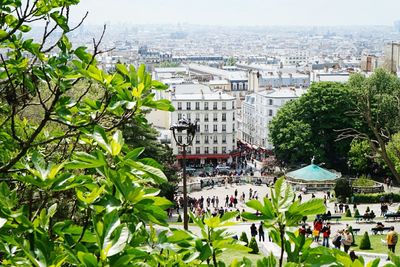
(313, 173)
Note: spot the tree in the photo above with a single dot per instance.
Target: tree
(343, 189)
(139, 133)
(360, 158)
(393, 151)
(377, 109)
(307, 127)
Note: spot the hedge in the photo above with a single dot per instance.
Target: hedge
(375, 198)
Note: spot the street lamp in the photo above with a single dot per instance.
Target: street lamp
(184, 127)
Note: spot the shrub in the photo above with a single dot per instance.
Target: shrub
(179, 218)
(348, 213)
(376, 198)
(356, 213)
(254, 246)
(244, 238)
(363, 182)
(365, 242)
(190, 219)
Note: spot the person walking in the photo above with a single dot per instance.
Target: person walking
(261, 235)
(253, 230)
(391, 239)
(326, 232)
(317, 229)
(347, 240)
(226, 201)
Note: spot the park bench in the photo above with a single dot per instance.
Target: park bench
(375, 230)
(394, 216)
(356, 230)
(332, 217)
(364, 218)
(325, 217)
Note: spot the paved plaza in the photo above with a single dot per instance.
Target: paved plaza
(264, 191)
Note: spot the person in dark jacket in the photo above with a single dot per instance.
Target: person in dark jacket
(253, 230)
(261, 235)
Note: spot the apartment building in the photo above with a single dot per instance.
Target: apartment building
(258, 109)
(214, 112)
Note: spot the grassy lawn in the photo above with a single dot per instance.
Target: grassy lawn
(229, 255)
(377, 246)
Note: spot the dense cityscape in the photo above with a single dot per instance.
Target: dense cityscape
(198, 143)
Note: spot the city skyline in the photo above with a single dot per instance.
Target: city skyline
(239, 13)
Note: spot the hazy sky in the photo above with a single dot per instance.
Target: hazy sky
(242, 12)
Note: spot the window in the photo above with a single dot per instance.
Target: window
(188, 105)
(233, 127)
(189, 150)
(234, 86)
(223, 150)
(198, 128)
(223, 116)
(179, 116)
(215, 140)
(197, 105)
(224, 139)
(223, 127)
(271, 102)
(233, 104)
(205, 105)
(180, 139)
(215, 105)
(233, 116)
(215, 117)
(188, 116)
(206, 128)
(206, 139)
(179, 105)
(223, 105)
(197, 150)
(197, 139)
(270, 112)
(206, 117)
(240, 86)
(197, 116)
(215, 128)
(215, 150)
(206, 150)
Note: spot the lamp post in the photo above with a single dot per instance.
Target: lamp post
(182, 128)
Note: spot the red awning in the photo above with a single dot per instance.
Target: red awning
(205, 156)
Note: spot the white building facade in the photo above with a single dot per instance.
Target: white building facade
(258, 109)
(214, 112)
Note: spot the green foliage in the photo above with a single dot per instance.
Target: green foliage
(393, 148)
(363, 181)
(281, 212)
(179, 218)
(253, 246)
(308, 126)
(365, 242)
(377, 109)
(348, 213)
(342, 189)
(356, 213)
(376, 198)
(243, 238)
(358, 156)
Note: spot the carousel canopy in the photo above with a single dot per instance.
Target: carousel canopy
(313, 173)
